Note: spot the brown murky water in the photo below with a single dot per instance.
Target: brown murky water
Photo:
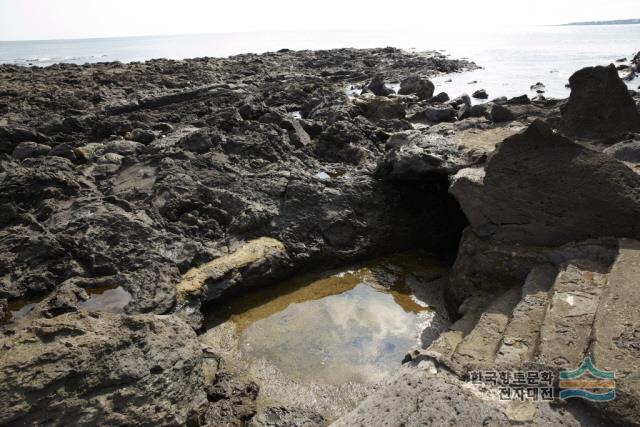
(354, 325)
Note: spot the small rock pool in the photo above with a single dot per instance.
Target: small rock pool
(104, 299)
(347, 326)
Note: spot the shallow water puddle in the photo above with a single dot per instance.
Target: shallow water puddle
(351, 326)
(110, 300)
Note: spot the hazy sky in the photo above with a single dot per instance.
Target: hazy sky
(48, 19)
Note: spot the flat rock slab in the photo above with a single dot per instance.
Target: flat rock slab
(616, 331)
(520, 339)
(566, 329)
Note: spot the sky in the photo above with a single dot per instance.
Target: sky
(57, 19)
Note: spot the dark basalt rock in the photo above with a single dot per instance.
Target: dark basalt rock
(538, 87)
(500, 113)
(439, 98)
(480, 94)
(422, 88)
(417, 156)
(11, 136)
(381, 107)
(462, 99)
(198, 142)
(479, 110)
(463, 112)
(143, 136)
(626, 151)
(63, 150)
(599, 104)
(437, 113)
(540, 188)
(378, 87)
(518, 100)
(28, 149)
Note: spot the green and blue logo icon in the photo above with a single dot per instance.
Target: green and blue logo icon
(588, 382)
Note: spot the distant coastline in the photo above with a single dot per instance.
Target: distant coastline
(614, 22)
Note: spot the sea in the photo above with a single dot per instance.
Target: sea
(512, 58)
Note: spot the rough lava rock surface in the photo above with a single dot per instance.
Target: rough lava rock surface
(180, 182)
(85, 369)
(540, 188)
(599, 104)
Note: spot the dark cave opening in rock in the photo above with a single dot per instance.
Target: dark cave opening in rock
(423, 217)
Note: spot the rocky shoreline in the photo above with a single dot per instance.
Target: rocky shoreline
(182, 182)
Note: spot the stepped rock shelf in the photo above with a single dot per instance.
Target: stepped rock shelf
(138, 199)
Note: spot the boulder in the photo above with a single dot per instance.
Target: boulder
(462, 99)
(540, 188)
(381, 107)
(437, 113)
(378, 87)
(11, 136)
(142, 135)
(198, 142)
(71, 124)
(28, 149)
(479, 110)
(422, 88)
(463, 112)
(63, 150)
(538, 87)
(500, 113)
(599, 105)
(103, 369)
(626, 151)
(439, 98)
(416, 156)
(480, 94)
(518, 100)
